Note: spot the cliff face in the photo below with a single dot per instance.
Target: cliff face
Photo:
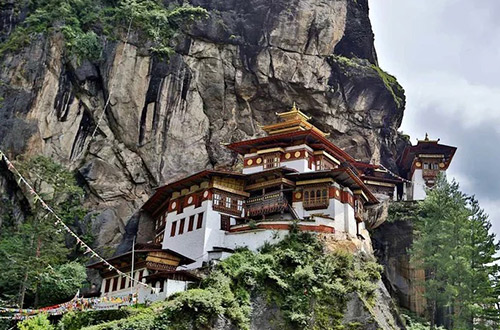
(166, 119)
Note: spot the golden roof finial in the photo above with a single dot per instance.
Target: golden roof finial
(293, 120)
(426, 139)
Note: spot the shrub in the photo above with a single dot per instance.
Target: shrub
(39, 322)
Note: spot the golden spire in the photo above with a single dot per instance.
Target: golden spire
(426, 139)
(293, 120)
(294, 113)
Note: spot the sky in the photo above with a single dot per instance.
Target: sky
(446, 56)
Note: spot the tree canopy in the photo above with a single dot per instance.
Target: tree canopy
(456, 249)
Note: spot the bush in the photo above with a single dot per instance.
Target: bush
(309, 287)
(86, 23)
(39, 322)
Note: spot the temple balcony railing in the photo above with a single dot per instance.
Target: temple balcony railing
(430, 173)
(316, 203)
(266, 204)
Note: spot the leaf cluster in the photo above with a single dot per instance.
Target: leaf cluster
(86, 24)
(455, 247)
(309, 286)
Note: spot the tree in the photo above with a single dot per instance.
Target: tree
(455, 248)
(61, 283)
(29, 249)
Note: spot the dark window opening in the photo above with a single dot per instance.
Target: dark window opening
(115, 284)
(225, 222)
(200, 221)
(191, 223)
(172, 229)
(107, 283)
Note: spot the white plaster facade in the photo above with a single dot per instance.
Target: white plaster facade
(418, 185)
(197, 243)
(144, 294)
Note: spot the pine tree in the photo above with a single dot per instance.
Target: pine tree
(28, 250)
(456, 249)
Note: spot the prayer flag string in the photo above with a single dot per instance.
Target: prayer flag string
(59, 221)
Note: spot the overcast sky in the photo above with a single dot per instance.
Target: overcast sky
(446, 54)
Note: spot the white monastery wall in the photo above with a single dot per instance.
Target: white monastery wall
(418, 185)
(189, 243)
(254, 239)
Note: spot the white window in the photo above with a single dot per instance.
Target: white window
(216, 199)
(272, 161)
(240, 205)
(228, 202)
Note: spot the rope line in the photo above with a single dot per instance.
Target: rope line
(59, 222)
(401, 178)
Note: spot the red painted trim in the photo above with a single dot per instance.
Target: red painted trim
(280, 226)
(240, 146)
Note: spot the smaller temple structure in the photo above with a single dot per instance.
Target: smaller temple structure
(150, 264)
(421, 164)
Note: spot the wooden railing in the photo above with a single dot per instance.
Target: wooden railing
(320, 202)
(428, 173)
(266, 204)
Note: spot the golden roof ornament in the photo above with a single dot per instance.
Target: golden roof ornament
(426, 139)
(292, 121)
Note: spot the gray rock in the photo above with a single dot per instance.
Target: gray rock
(380, 314)
(167, 119)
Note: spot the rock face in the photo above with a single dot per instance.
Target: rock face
(165, 119)
(391, 242)
(381, 313)
(132, 122)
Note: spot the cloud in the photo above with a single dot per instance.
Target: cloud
(445, 53)
(450, 94)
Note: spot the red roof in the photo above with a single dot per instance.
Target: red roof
(285, 139)
(426, 147)
(159, 196)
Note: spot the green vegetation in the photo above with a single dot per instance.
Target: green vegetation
(390, 82)
(454, 246)
(415, 323)
(309, 286)
(39, 322)
(35, 263)
(85, 24)
(403, 211)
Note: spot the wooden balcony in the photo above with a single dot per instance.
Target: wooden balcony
(266, 204)
(430, 174)
(231, 208)
(316, 203)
